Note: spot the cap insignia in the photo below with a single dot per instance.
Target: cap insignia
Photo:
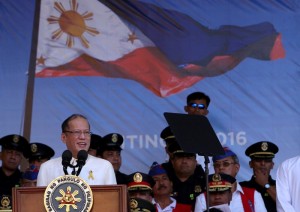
(138, 178)
(114, 138)
(264, 146)
(33, 148)
(216, 178)
(133, 204)
(16, 138)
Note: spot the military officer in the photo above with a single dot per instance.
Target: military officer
(140, 185)
(261, 162)
(110, 149)
(13, 148)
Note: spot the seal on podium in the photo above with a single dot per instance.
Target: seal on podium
(68, 193)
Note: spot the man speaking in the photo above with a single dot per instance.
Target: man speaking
(77, 137)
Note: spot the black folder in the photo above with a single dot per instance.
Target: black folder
(194, 134)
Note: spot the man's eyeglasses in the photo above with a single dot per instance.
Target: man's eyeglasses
(195, 105)
(77, 133)
(224, 164)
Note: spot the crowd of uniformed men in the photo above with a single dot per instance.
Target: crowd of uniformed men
(176, 185)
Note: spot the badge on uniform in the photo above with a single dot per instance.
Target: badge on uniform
(5, 203)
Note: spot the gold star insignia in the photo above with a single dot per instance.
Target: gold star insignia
(132, 37)
(41, 60)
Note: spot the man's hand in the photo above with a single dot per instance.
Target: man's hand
(261, 176)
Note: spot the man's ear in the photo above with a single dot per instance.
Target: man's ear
(272, 165)
(206, 112)
(250, 164)
(63, 137)
(186, 108)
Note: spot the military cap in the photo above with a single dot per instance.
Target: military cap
(220, 182)
(176, 150)
(262, 149)
(172, 144)
(112, 141)
(228, 153)
(156, 169)
(141, 205)
(38, 151)
(167, 135)
(15, 142)
(139, 181)
(95, 141)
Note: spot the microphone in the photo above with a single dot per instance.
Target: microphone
(66, 158)
(81, 158)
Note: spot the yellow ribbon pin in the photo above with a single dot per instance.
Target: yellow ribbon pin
(91, 176)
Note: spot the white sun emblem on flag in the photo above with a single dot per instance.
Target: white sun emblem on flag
(72, 23)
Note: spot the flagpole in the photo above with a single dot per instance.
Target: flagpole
(31, 76)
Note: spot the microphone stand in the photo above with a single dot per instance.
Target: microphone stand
(79, 169)
(206, 162)
(65, 169)
(74, 171)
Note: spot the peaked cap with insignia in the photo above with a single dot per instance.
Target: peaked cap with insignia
(112, 141)
(262, 149)
(139, 181)
(141, 205)
(15, 142)
(38, 151)
(220, 182)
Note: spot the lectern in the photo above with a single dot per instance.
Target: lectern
(106, 198)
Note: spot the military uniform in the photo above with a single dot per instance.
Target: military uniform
(187, 191)
(216, 183)
(121, 177)
(17, 143)
(262, 150)
(269, 202)
(112, 142)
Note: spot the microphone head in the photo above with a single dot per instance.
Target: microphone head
(81, 157)
(66, 157)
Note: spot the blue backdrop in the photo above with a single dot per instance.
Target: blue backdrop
(256, 100)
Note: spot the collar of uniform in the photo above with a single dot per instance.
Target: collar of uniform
(171, 206)
(239, 188)
(74, 160)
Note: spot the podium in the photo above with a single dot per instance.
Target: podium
(113, 198)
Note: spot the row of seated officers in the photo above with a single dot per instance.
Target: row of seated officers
(177, 185)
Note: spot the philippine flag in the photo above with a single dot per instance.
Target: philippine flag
(164, 50)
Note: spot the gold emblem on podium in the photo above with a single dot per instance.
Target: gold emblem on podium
(68, 193)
